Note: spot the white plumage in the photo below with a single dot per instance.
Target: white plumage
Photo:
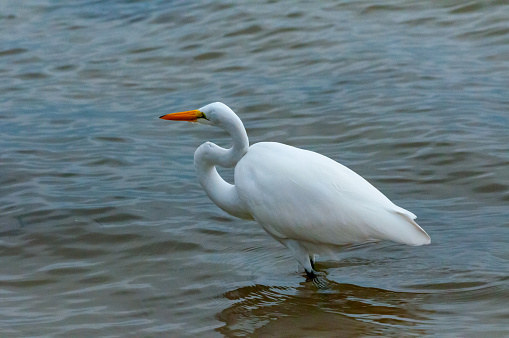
(305, 200)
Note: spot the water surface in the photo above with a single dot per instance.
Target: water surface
(104, 230)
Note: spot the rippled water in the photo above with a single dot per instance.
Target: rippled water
(104, 230)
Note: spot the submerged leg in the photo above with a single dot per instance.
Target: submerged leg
(319, 282)
(300, 253)
(304, 258)
(311, 274)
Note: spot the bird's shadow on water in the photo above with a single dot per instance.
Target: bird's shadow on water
(309, 310)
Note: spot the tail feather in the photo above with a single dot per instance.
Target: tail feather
(416, 235)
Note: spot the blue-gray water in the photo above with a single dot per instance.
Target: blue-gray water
(104, 230)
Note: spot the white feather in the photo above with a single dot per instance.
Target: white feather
(304, 200)
(301, 195)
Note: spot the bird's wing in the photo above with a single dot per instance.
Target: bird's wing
(302, 195)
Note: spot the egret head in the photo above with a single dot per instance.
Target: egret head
(216, 114)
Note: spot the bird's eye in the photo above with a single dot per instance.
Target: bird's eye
(203, 116)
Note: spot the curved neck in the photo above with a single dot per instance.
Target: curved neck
(208, 155)
(228, 158)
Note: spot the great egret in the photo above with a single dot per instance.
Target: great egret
(303, 199)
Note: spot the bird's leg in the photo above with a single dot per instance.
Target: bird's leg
(306, 260)
(318, 281)
(311, 274)
(300, 253)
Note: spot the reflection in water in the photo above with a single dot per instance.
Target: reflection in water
(341, 309)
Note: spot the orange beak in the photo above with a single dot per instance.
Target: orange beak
(191, 116)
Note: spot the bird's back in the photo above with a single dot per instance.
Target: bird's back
(302, 195)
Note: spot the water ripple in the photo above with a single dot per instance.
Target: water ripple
(105, 230)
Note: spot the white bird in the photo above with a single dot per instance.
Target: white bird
(307, 201)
